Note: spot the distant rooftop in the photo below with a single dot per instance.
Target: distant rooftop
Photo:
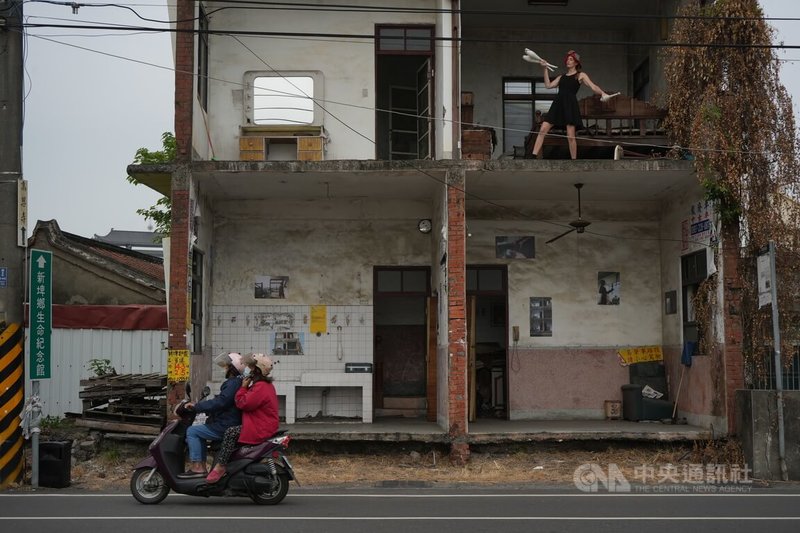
(146, 242)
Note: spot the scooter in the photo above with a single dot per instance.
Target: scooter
(261, 472)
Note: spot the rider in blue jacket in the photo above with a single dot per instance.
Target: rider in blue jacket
(222, 412)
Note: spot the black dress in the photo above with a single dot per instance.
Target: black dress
(564, 109)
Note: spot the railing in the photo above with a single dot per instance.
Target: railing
(763, 377)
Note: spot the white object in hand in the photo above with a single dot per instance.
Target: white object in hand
(607, 97)
(533, 57)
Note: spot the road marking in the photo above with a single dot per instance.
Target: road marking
(419, 518)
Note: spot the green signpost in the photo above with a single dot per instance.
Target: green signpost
(41, 313)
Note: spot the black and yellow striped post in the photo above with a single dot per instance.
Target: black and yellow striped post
(11, 400)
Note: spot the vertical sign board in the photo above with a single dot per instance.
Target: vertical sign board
(22, 212)
(764, 276)
(3, 276)
(40, 307)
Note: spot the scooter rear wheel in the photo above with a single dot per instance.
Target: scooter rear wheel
(148, 491)
(274, 496)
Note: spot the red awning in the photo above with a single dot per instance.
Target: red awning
(121, 317)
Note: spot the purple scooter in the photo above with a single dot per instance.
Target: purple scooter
(261, 472)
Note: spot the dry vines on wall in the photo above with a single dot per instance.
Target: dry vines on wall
(727, 107)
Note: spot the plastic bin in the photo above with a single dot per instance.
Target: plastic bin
(632, 404)
(55, 464)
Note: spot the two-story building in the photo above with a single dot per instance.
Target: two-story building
(354, 191)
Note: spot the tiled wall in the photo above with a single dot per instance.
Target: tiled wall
(263, 328)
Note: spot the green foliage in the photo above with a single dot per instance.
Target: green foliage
(161, 213)
(51, 422)
(101, 367)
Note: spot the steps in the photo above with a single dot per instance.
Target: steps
(403, 406)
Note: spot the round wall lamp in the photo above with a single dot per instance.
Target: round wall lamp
(425, 225)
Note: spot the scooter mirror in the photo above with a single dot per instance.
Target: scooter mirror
(188, 390)
(206, 391)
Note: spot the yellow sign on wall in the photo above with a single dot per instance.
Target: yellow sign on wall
(178, 365)
(319, 319)
(641, 354)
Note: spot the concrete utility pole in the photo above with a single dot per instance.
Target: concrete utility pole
(13, 227)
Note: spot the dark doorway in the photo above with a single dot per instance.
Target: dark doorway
(401, 339)
(404, 92)
(487, 332)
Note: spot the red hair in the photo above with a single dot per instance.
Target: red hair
(574, 55)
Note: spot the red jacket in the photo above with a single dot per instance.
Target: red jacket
(259, 405)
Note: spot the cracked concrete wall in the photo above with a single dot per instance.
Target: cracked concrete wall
(571, 373)
(327, 248)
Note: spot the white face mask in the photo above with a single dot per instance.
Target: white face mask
(246, 371)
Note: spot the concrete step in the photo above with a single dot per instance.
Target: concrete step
(400, 413)
(405, 402)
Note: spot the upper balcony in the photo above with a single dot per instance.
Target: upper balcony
(396, 96)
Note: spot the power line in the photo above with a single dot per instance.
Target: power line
(372, 36)
(409, 164)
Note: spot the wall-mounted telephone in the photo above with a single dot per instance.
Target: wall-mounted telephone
(515, 333)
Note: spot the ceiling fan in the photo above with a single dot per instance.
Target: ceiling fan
(578, 224)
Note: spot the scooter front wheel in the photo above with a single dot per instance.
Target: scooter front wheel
(274, 495)
(146, 488)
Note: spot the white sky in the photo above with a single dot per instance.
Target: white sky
(86, 113)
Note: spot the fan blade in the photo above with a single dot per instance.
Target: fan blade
(559, 236)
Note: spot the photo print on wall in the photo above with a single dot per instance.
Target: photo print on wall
(514, 247)
(271, 286)
(608, 288)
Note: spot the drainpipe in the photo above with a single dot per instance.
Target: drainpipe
(776, 334)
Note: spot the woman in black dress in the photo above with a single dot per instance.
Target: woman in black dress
(564, 111)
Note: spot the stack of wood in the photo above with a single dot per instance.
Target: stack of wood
(125, 403)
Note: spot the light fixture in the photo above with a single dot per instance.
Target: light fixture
(425, 225)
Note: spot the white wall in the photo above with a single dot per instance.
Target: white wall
(567, 271)
(130, 352)
(348, 67)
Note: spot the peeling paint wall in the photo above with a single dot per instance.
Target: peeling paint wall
(348, 68)
(327, 249)
(571, 373)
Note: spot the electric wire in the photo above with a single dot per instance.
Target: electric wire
(360, 134)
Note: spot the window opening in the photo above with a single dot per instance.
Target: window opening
(525, 101)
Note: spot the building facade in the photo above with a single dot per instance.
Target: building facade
(354, 191)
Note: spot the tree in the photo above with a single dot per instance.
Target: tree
(726, 106)
(161, 213)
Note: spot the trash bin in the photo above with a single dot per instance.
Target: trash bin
(55, 464)
(632, 405)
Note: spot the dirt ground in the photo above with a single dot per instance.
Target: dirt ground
(107, 464)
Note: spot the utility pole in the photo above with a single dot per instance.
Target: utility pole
(13, 228)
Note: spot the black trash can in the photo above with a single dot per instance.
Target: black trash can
(632, 405)
(55, 464)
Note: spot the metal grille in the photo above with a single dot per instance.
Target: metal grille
(764, 377)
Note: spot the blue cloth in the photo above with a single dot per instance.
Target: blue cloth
(196, 437)
(222, 408)
(688, 351)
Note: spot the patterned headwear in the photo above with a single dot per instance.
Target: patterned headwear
(574, 55)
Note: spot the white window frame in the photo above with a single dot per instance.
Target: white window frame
(319, 93)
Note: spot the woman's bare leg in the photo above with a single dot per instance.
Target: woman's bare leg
(537, 146)
(573, 144)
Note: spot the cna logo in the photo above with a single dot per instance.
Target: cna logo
(590, 477)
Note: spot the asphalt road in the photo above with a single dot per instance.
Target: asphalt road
(423, 510)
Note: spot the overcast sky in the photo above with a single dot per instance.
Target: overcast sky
(87, 113)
